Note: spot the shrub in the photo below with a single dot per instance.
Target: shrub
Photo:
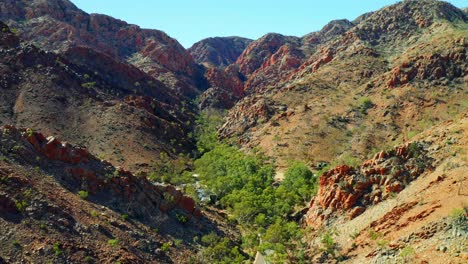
(21, 205)
(458, 216)
(88, 85)
(16, 244)
(299, 183)
(364, 104)
(165, 247)
(88, 259)
(30, 132)
(407, 252)
(177, 242)
(125, 217)
(113, 242)
(374, 235)
(57, 249)
(328, 243)
(83, 194)
(182, 218)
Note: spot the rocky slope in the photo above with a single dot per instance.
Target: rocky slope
(218, 52)
(273, 57)
(381, 100)
(90, 99)
(61, 204)
(411, 203)
(365, 88)
(353, 189)
(57, 25)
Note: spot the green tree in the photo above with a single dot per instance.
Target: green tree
(299, 184)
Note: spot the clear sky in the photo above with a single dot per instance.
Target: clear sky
(192, 20)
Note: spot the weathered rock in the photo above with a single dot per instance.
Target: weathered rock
(218, 52)
(347, 190)
(58, 25)
(54, 149)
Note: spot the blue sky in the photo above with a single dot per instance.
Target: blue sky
(192, 20)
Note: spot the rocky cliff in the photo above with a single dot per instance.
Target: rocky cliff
(363, 83)
(59, 25)
(88, 98)
(218, 52)
(60, 203)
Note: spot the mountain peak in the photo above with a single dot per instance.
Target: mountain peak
(218, 51)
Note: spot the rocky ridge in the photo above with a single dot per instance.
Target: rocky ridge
(351, 190)
(90, 99)
(59, 25)
(218, 52)
(66, 194)
(388, 58)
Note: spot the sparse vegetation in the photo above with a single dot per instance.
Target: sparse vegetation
(177, 242)
(364, 104)
(329, 244)
(458, 217)
(88, 85)
(30, 132)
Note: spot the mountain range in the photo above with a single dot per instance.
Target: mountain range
(93, 107)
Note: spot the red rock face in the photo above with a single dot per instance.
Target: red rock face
(98, 176)
(59, 25)
(226, 88)
(260, 50)
(273, 58)
(227, 79)
(245, 114)
(53, 149)
(450, 64)
(218, 52)
(348, 191)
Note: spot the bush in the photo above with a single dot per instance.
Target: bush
(328, 243)
(374, 235)
(21, 205)
(299, 183)
(165, 247)
(113, 242)
(88, 85)
(364, 104)
(407, 252)
(220, 250)
(182, 218)
(206, 130)
(57, 249)
(458, 216)
(83, 194)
